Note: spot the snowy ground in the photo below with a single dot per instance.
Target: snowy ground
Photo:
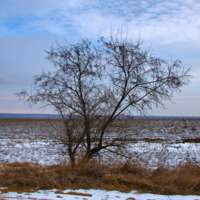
(160, 142)
(93, 195)
(45, 151)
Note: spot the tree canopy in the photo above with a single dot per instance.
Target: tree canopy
(100, 83)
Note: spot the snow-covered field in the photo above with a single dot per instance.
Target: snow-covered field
(93, 195)
(158, 143)
(47, 151)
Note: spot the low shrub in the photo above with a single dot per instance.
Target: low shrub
(124, 177)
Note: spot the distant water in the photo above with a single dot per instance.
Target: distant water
(56, 116)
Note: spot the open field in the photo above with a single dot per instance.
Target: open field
(155, 143)
(166, 161)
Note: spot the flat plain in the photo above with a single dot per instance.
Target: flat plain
(155, 143)
(165, 161)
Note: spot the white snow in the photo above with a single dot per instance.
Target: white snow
(49, 152)
(96, 195)
(36, 142)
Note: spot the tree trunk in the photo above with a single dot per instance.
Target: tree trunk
(72, 161)
(86, 158)
(89, 155)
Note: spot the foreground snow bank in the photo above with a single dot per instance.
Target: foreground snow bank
(94, 195)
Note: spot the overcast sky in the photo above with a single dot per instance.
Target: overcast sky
(28, 27)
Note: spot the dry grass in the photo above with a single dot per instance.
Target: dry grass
(73, 193)
(183, 180)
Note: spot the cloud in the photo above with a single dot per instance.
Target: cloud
(27, 28)
(167, 21)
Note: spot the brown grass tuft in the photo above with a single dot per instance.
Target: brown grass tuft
(78, 193)
(184, 179)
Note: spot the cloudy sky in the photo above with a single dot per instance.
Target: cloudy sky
(27, 28)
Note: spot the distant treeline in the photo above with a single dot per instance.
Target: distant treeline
(56, 116)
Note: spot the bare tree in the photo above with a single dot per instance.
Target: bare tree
(99, 84)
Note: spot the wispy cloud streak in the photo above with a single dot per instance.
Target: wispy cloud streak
(168, 21)
(27, 27)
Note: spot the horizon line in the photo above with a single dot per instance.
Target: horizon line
(178, 116)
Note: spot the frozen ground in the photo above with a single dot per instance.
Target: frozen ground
(46, 151)
(94, 195)
(157, 142)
